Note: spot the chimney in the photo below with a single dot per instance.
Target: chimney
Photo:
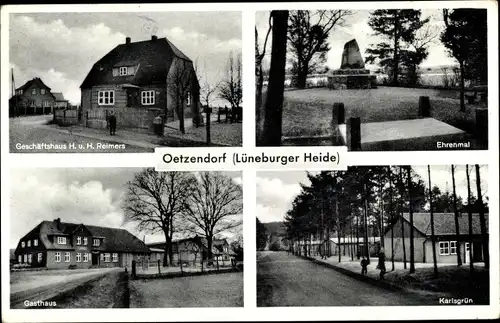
(154, 37)
(127, 40)
(58, 223)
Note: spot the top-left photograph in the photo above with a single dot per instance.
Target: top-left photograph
(124, 82)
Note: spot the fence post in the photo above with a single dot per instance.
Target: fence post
(159, 267)
(482, 126)
(218, 115)
(134, 270)
(86, 118)
(202, 263)
(207, 111)
(354, 134)
(424, 107)
(180, 262)
(217, 260)
(338, 113)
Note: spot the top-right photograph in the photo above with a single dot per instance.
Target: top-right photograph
(372, 80)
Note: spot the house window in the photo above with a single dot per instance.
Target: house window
(35, 242)
(42, 91)
(453, 247)
(106, 257)
(22, 244)
(25, 258)
(444, 248)
(29, 243)
(67, 257)
(188, 98)
(148, 97)
(84, 241)
(61, 240)
(39, 258)
(57, 257)
(96, 242)
(46, 104)
(33, 91)
(115, 257)
(106, 97)
(78, 257)
(85, 257)
(19, 259)
(29, 258)
(78, 240)
(123, 71)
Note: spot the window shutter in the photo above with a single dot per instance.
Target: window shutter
(115, 71)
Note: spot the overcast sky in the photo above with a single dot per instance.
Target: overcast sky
(276, 190)
(356, 27)
(77, 195)
(61, 48)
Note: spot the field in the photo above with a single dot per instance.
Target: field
(309, 112)
(216, 290)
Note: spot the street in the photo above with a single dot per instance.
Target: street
(27, 132)
(287, 280)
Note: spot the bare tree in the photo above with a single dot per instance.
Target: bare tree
(179, 83)
(231, 87)
(154, 199)
(482, 219)
(433, 236)
(212, 205)
(455, 210)
(308, 33)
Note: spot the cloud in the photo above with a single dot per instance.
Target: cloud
(37, 195)
(274, 198)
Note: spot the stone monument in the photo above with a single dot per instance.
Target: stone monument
(352, 73)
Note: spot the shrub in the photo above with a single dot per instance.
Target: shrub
(72, 267)
(19, 266)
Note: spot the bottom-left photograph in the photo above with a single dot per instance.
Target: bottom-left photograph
(125, 237)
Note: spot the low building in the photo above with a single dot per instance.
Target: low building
(60, 101)
(192, 251)
(34, 97)
(448, 244)
(57, 245)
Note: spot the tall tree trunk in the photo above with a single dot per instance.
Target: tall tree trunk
(469, 211)
(302, 75)
(455, 209)
(402, 216)
(273, 109)
(181, 115)
(433, 236)
(351, 244)
(357, 238)
(462, 86)
(395, 71)
(366, 225)
(338, 225)
(382, 242)
(209, 247)
(391, 216)
(484, 233)
(412, 228)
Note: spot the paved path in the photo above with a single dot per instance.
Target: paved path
(286, 280)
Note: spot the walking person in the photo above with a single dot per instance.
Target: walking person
(364, 266)
(112, 123)
(381, 263)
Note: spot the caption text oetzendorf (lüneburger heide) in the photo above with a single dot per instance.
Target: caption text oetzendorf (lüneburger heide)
(244, 158)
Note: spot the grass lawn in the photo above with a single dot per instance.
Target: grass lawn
(309, 112)
(217, 290)
(225, 134)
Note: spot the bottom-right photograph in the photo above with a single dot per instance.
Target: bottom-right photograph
(373, 236)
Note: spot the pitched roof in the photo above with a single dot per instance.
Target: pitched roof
(36, 80)
(153, 57)
(444, 223)
(59, 96)
(118, 240)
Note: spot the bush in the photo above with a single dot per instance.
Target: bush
(19, 266)
(72, 267)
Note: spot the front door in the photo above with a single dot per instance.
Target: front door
(95, 259)
(467, 252)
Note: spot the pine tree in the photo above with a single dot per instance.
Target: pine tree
(399, 28)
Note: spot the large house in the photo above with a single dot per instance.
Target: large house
(56, 245)
(445, 237)
(140, 81)
(34, 97)
(192, 250)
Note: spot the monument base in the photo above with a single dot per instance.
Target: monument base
(352, 80)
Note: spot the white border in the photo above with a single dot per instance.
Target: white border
(250, 312)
